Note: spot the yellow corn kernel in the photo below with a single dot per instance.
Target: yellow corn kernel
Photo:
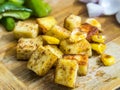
(50, 39)
(98, 38)
(99, 48)
(107, 60)
(83, 69)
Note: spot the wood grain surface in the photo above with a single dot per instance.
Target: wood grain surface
(9, 81)
(14, 74)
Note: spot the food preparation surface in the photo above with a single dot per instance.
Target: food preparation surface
(14, 74)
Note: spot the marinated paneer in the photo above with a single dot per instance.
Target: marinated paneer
(26, 46)
(64, 49)
(66, 72)
(55, 50)
(82, 61)
(81, 47)
(26, 29)
(41, 61)
(72, 21)
(46, 23)
(59, 32)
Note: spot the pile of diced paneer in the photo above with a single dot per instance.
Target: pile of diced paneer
(45, 44)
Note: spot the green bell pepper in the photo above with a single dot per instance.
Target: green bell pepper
(8, 23)
(40, 7)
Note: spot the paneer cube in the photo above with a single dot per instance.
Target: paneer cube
(26, 46)
(94, 22)
(66, 72)
(26, 29)
(41, 61)
(90, 30)
(58, 32)
(50, 39)
(55, 50)
(77, 35)
(82, 61)
(72, 22)
(81, 47)
(46, 23)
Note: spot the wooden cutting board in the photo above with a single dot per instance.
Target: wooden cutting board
(15, 76)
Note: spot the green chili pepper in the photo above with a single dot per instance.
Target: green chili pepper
(18, 2)
(9, 6)
(9, 9)
(8, 23)
(0, 16)
(17, 14)
(40, 7)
